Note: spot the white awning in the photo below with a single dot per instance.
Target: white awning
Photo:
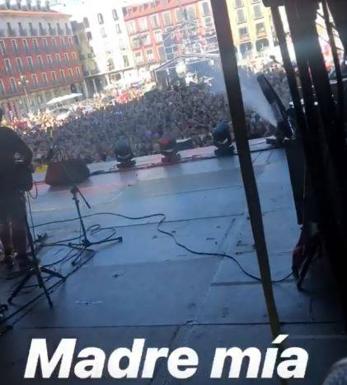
(62, 99)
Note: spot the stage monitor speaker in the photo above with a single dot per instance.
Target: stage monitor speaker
(66, 172)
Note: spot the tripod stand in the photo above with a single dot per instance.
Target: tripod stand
(85, 242)
(35, 270)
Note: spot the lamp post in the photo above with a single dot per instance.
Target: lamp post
(23, 81)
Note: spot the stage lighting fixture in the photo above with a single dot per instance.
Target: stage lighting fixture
(124, 154)
(222, 140)
(168, 148)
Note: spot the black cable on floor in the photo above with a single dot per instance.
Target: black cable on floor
(98, 228)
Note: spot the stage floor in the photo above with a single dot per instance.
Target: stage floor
(148, 287)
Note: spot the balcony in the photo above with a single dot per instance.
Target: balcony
(52, 31)
(43, 31)
(244, 38)
(2, 33)
(261, 34)
(60, 32)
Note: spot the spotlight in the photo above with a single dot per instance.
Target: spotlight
(168, 148)
(124, 154)
(222, 140)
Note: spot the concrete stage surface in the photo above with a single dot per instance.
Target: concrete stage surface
(148, 287)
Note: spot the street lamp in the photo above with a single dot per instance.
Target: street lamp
(23, 81)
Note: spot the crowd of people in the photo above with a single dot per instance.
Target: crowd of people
(181, 111)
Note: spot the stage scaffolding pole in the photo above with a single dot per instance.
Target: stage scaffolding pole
(237, 111)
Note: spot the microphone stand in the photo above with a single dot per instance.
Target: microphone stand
(85, 242)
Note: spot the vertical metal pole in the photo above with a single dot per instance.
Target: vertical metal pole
(232, 81)
(292, 83)
(339, 79)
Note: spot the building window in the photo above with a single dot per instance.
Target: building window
(238, 3)
(40, 61)
(86, 22)
(103, 33)
(66, 57)
(78, 72)
(67, 29)
(10, 30)
(190, 13)
(14, 45)
(257, 11)
(146, 40)
(261, 44)
(126, 61)
(100, 18)
(35, 44)
(57, 58)
(260, 29)
(241, 17)
(208, 22)
(114, 14)
(206, 9)
(8, 66)
(149, 54)
(131, 27)
(2, 47)
(180, 15)
(161, 52)
(45, 78)
(138, 58)
(143, 25)
(118, 30)
(89, 36)
(19, 64)
(62, 74)
(2, 88)
(30, 63)
(54, 76)
(45, 42)
(26, 44)
(246, 49)
(167, 19)
(154, 21)
(158, 36)
(34, 79)
(13, 84)
(243, 32)
(49, 59)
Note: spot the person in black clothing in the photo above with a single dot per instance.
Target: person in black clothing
(12, 202)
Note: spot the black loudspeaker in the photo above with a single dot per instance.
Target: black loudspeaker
(66, 172)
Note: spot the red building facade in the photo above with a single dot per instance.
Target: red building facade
(38, 59)
(161, 30)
